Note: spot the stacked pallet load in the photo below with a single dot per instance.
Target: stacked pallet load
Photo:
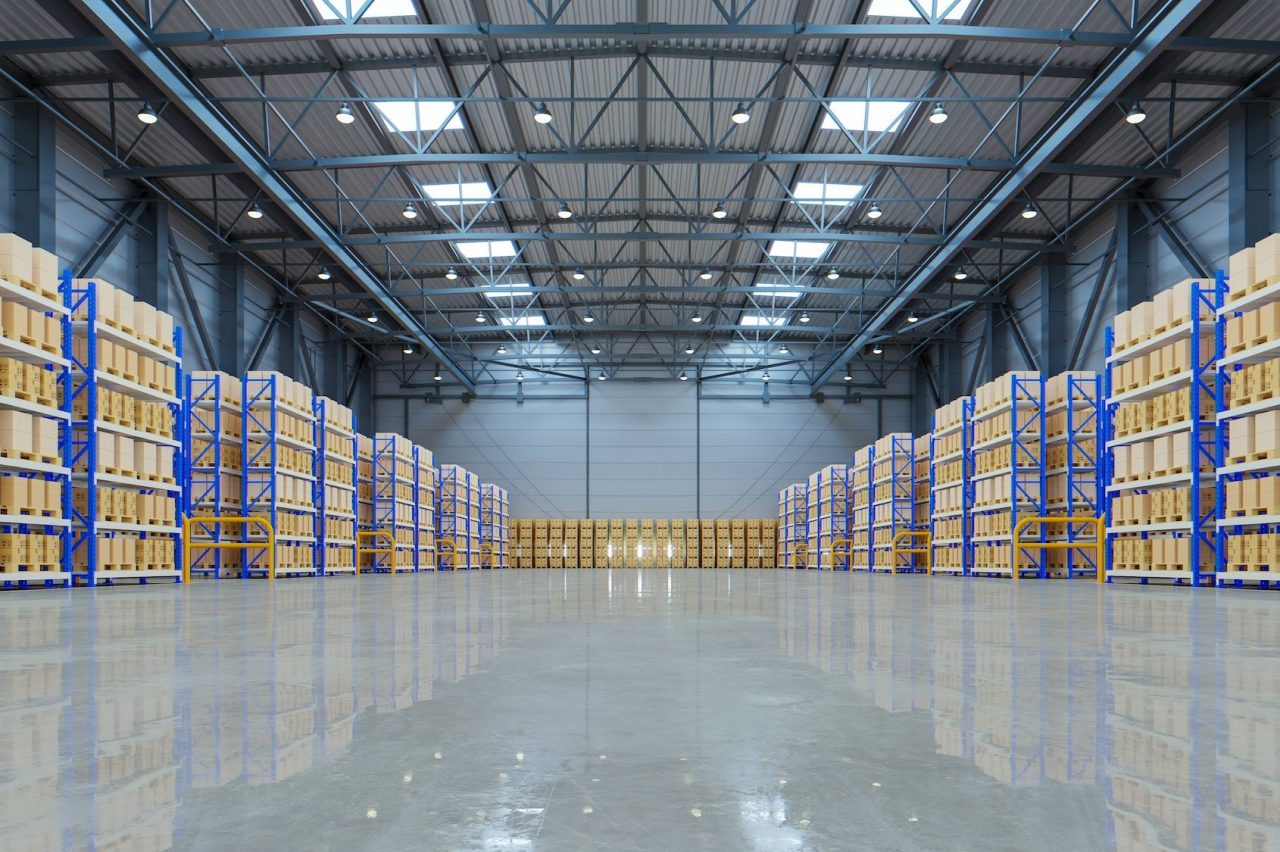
(827, 523)
(1008, 472)
(646, 545)
(737, 543)
(278, 448)
(569, 547)
(708, 551)
(522, 545)
(555, 543)
(35, 492)
(921, 503)
(335, 486)
(458, 520)
(541, 544)
(1161, 376)
(860, 475)
(665, 548)
(395, 506)
(600, 539)
(692, 544)
(215, 485)
(424, 542)
(364, 494)
(1073, 470)
(950, 487)
(125, 450)
(1248, 464)
(493, 527)
(586, 543)
(893, 495)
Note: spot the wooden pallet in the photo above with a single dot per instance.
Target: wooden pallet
(1236, 295)
(30, 567)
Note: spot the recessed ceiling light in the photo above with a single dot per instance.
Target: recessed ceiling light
(1136, 114)
(542, 115)
(740, 115)
(719, 212)
(684, 377)
(804, 317)
(578, 274)
(564, 212)
(255, 212)
(324, 274)
(1030, 212)
(451, 274)
(705, 275)
(345, 115)
(874, 212)
(409, 211)
(696, 318)
(938, 115)
(832, 275)
(147, 115)
(961, 274)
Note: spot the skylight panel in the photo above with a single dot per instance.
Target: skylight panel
(792, 248)
(862, 114)
(486, 249)
(337, 10)
(531, 321)
(761, 321)
(457, 194)
(774, 290)
(828, 194)
(947, 10)
(421, 115)
(503, 293)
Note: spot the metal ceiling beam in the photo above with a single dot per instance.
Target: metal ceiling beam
(633, 156)
(1156, 33)
(127, 35)
(416, 293)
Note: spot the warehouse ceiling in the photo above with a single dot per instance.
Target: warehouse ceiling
(580, 186)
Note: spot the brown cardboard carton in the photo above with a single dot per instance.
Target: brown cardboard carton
(15, 258)
(46, 271)
(1241, 271)
(1266, 259)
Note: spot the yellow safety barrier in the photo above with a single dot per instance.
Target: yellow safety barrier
(800, 554)
(486, 555)
(926, 551)
(375, 552)
(188, 544)
(847, 544)
(1098, 545)
(446, 547)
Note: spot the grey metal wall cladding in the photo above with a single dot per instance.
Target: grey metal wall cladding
(643, 450)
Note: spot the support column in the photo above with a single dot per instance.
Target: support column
(287, 343)
(950, 374)
(1053, 313)
(1133, 256)
(335, 379)
(35, 175)
(1248, 176)
(997, 345)
(232, 350)
(153, 278)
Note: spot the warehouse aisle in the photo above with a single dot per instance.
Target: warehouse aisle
(640, 710)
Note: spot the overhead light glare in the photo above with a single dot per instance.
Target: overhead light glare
(874, 212)
(1030, 212)
(1136, 114)
(719, 212)
(324, 274)
(542, 115)
(147, 115)
(564, 212)
(938, 115)
(255, 212)
(740, 115)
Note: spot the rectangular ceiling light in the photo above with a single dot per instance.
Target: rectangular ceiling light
(791, 248)
(872, 116)
(531, 321)
(503, 293)
(829, 194)
(761, 321)
(484, 248)
(421, 115)
(457, 194)
(339, 10)
(946, 10)
(774, 290)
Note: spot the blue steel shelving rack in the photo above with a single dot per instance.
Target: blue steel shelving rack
(1228, 365)
(342, 443)
(493, 512)
(898, 503)
(207, 406)
(868, 467)
(1200, 382)
(262, 470)
(1026, 471)
(60, 470)
(84, 380)
(451, 524)
(963, 426)
(393, 513)
(424, 489)
(1083, 471)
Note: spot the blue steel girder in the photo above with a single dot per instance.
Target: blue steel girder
(128, 36)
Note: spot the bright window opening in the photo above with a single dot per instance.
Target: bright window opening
(337, 10)
(791, 248)
(532, 321)
(414, 116)
(829, 194)
(775, 290)
(484, 248)
(504, 293)
(947, 10)
(872, 116)
(457, 194)
(761, 321)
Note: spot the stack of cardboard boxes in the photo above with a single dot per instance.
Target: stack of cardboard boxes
(950, 513)
(336, 486)
(279, 469)
(458, 519)
(1073, 467)
(893, 492)
(364, 488)
(395, 495)
(215, 418)
(425, 542)
(828, 517)
(860, 475)
(644, 543)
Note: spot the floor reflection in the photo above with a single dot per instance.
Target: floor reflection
(127, 716)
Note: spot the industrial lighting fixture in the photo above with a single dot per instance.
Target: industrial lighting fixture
(344, 115)
(939, 115)
(542, 115)
(874, 212)
(372, 317)
(408, 350)
(765, 377)
(480, 317)
(696, 318)
(719, 212)
(705, 275)
(437, 377)
(519, 377)
(804, 317)
(588, 318)
(784, 350)
(324, 274)
(564, 212)
(602, 376)
(832, 275)
(847, 377)
(578, 274)
(740, 115)
(961, 274)
(147, 115)
(877, 349)
(255, 212)
(409, 211)
(595, 350)
(1030, 212)
(502, 350)
(451, 274)
(684, 377)
(911, 317)
(1136, 114)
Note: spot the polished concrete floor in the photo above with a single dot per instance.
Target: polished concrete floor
(640, 710)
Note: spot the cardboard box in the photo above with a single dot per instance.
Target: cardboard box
(15, 320)
(1240, 437)
(1241, 271)
(1266, 259)
(15, 258)
(46, 271)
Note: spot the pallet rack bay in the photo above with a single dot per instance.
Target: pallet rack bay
(861, 472)
(425, 542)
(793, 507)
(458, 521)
(395, 507)
(1160, 388)
(215, 484)
(828, 518)
(278, 448)
(364, 494)
(893, 496)
(335, 486)
(494, 518)
(923, 483)
(126, 446)
(951, 486)
(1007, 471)
(1073, 468)
(35, 485)
(1248, 419)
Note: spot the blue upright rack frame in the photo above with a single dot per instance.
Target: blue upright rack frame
(1083, 470)
(937, 541)
(208, 405)
(392, 512)
(338, 445)
(895, 510)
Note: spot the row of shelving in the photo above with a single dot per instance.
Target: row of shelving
(645, 543)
